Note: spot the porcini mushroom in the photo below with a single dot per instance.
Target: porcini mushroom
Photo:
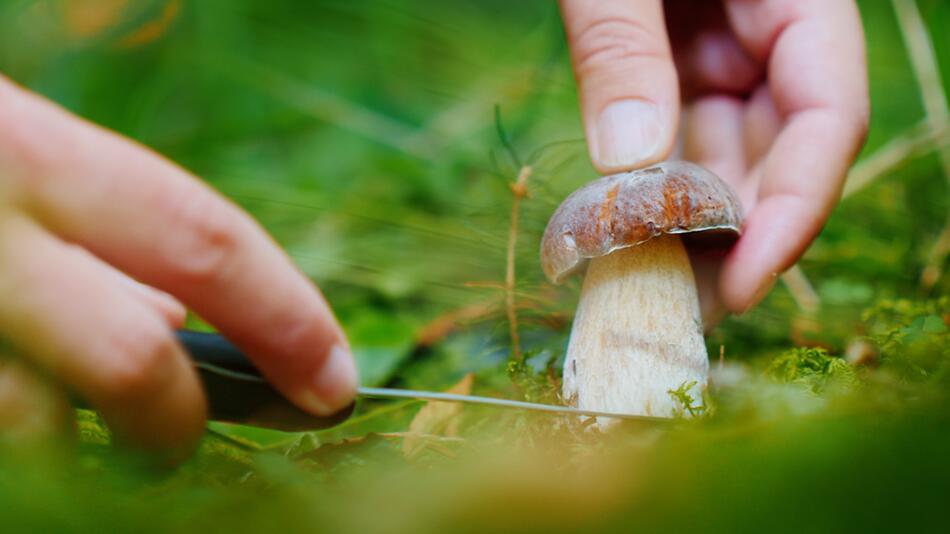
(637, 332)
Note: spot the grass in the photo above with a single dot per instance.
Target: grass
(363, 136)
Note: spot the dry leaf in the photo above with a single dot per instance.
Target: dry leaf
(435, 418)
(152, 29)
(89, 18)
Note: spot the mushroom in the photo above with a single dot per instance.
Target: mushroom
(637, 332)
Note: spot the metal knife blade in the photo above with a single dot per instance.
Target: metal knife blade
(238, 393)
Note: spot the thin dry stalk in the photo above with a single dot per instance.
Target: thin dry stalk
(932, 270)
(912, 143)
(440, 327)
(518, 192)
(804, 295)
(924, 62)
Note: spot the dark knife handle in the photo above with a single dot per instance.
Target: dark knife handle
(237, 393)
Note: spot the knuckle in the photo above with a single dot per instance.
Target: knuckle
(141, 362)
(203, 239)
(304, 329)
(610, 40)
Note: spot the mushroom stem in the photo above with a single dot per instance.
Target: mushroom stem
(637, 332)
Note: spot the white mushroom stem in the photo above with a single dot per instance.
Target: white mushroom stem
(637, 332)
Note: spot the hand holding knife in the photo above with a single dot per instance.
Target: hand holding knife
(237, 392)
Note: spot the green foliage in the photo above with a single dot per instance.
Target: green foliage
(536, 381)
(686, 404)
(912, 336)
(381, 345)
(811, 368)
(91, 428)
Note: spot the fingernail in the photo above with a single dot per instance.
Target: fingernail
(628, 132)
(762, 291)
(335, 383)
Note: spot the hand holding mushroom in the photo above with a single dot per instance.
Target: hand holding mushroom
(637, 332)
(775, 103)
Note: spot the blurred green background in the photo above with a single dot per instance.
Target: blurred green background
(364, 137)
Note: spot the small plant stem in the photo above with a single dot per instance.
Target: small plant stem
(913, 142)
(937, 115)
(805, 296)
(931, 273)
(518, 192)
(441, 326)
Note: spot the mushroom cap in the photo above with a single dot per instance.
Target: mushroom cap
(626, 209)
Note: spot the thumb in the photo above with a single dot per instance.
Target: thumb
(629, 94)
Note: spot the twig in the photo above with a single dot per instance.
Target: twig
(932, 271)
(440, 327)
(518, 192)
(924, 62)
(801, 290)
(234, 440)
(913, 142)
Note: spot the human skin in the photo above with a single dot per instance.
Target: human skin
(771, 95)
(102, 245)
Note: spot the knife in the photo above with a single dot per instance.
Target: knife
(237, 393)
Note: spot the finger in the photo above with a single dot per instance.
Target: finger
(760, 125)
(819, 88)
(712, 129)
(706, 273)
(629, 96)
(715, 62)
(708, 57)
(173, 311)
(31, 409)
(185, 240)
(64, 310)
(713, 136)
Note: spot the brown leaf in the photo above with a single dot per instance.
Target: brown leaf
(89, 18)
(435, 418)
(152, 29)
(440, 327)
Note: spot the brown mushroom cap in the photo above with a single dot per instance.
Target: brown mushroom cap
(624, 210)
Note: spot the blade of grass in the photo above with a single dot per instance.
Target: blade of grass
(323, 105)
(924, 62)
(518, 192)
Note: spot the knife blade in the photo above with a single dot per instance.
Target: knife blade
(237, 392)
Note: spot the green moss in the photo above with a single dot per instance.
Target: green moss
(536, 377)
(91, 428)
(812, 368)
(913, 337)
(685, 403)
